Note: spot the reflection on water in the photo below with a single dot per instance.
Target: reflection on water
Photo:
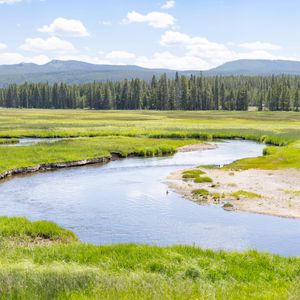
(126, 201)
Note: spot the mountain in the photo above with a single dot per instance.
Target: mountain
(259, 67)
(74, 72)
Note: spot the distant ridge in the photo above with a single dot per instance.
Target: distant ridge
(75, 72)
(259, 67)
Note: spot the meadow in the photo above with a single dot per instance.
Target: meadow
(144, 133)
(35, 255)
(40, 260)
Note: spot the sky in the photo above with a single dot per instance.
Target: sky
(174, 34)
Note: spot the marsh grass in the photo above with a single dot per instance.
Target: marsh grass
(293, 192)
(85, 148)
(18, 228)
(201, 192)
(245, 194)
(82, 271)
(191, 174)
(273, 128)
(8, 141)
(202, 179)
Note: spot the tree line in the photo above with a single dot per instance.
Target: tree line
(180, 93)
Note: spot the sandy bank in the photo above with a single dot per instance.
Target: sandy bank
(197, 147)
(278, 191)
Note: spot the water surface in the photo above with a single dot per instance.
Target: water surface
(125, 201)
(31, 141)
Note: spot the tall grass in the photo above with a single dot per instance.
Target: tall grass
(67, 269)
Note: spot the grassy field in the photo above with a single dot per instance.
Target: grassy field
(76, 149)
(42, 261)
(145, 133)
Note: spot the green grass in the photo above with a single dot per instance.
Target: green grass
(201, 192)
(274, 158)
(22, 229)
(228, 205)
(83, 148)
(190, 174)
(277, 128)
(68, 269)
(245, 194)
(8, 141)
(291, 192)
(202, 179)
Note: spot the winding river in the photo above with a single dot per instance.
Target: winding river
(125, 201)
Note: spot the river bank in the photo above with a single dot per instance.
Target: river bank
(274, 192)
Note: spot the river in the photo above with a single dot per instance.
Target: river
(125, 201)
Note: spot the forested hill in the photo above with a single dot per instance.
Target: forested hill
(259, 67)
(162, 93)
(75, 72)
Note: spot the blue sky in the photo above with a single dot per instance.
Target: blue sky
(177, 34)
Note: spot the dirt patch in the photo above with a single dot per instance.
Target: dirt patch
(260, 191)
(197, 147)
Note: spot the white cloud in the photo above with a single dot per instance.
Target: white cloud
(214, 53)
(153, 19)
(169, 4)
(50, 44)
(9, 1)
(120, 55)
(260, 46)
(170, 61)
(65, 27)
(16, 58)
(3, 46)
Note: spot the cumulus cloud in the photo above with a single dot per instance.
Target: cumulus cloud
(10, 1)
(153, 19)
(16, 58)
(168, 60)
(65, 27)
(168, 5)
(260, 46)
(200, 47)
(50, 44)
(214, 53)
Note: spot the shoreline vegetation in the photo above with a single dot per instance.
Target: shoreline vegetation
(41, 254)
(40, 260)
(81, 151)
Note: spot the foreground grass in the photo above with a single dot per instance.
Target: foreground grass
(68, 269)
